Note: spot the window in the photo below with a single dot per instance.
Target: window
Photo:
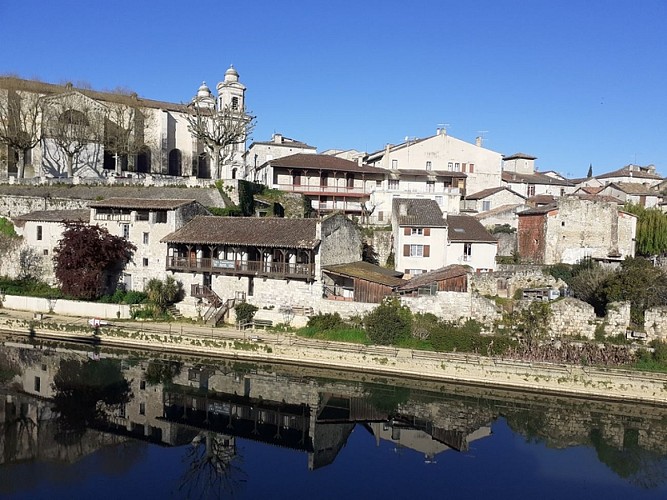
(46, 251)
(38, 384)
(429, 166)
(463, 167)
(145, 238)
(471, 168)
(380, 216)
(417, 231)
(467, 251)
(393, 183)
(142, 385)
(430, 186)
(378, 184)
(235, 103)
(450, 166)
(394, 164)
(350, 181)
(161, 217)
(486, 205)
(145, 261)
(296, 178)
(416, 250)
(126, 231)
(142, 214)
(142, 408)
(457, 167)
(39, 233)
(531, 190)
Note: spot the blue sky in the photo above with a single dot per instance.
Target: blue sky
(572, 82)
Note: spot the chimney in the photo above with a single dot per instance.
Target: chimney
(478, 141)
(437, 131)
(278, 138)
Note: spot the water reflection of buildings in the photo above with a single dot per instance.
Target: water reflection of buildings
(219, 403)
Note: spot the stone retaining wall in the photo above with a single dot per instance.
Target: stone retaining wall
(66, 307)
(572, 317)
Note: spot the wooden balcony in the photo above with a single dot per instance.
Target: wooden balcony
(279, 270)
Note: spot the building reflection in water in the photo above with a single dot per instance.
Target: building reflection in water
(210, 404)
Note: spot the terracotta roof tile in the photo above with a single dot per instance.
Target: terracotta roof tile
(248, 231)
(323, 162)
(82, 215)
(536, 178)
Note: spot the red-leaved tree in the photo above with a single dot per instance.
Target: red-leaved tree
(88, 260)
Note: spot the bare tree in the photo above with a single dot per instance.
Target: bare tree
(219, 130)
(20, 128)
(73, 123)
(124, 128)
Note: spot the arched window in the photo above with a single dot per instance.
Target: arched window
(74, 118)
(234, 173)
(175, 159)
(144, 160)
(203, 167)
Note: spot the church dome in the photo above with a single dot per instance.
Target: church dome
(203, 91)
(231, 75)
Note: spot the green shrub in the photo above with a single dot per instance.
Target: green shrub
(7, 228)
(326, 321)
(389, 322)
(245, 312)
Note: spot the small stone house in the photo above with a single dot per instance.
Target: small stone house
(573, 229)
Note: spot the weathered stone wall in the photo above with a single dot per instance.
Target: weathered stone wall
(655, 323)
(382, 242)
(572, 317)
(508, 279)
(617, 319)
(341, 241)
(506, 243)
(13, 206)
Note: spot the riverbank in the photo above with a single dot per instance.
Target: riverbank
(265, 346)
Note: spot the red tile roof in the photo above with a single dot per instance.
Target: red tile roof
(323, 162)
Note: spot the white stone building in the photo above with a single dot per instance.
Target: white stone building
(155, 136)
(442, 152)
(259, 153)
(144, 223)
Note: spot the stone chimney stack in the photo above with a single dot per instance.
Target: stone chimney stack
(478, 141)
(278, 138)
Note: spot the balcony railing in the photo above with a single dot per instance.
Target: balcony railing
(301, 188)
(241, 267)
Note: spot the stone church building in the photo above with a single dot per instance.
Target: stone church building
(86, 133)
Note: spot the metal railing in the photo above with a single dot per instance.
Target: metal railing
(244, 267)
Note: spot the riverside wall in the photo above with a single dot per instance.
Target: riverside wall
(573, 380)
(66, 307)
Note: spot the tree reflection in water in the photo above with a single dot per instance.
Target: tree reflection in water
(84, 393)
(211, 467)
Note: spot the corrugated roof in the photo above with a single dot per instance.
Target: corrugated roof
(424, 279)
(468, 229)
(418, 212)
(141, 204)
(248, 231)
(323, 162)
(368, 272)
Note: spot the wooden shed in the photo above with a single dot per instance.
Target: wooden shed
(452, 278)
(360, 282)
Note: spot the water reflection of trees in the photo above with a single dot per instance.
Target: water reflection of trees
(84, 392)
(162, 372)
(212, 467)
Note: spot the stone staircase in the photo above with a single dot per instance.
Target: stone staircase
(174, 312)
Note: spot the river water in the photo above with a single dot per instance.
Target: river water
(84, 422)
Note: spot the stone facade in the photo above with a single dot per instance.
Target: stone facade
(574, 229)
(572, 317)
(655, 322)
(508, 279)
